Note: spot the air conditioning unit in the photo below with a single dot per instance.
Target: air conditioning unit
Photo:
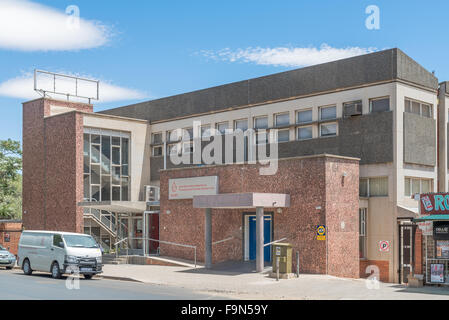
(353, 110)
(151, 193)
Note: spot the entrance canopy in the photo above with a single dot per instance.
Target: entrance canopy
(242, 201)
(116, 206)
(434, 217)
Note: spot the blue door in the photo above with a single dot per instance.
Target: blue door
(252, 237)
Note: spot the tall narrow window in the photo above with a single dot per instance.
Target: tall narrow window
(362, 232)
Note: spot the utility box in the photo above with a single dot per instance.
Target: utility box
(284, 252)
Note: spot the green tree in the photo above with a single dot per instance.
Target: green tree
(10, 179)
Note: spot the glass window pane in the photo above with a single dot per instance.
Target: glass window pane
(125, 171)
(241, 124)
(187, 134)
(415, 186)
(407, 187)
(425, 186)
(328, 113)
(115, 193)
(125, 150)
(261, 123)
(282, 119)
(115, 155)
(426, 110)
(105, 188)
(157, 151)
(222, 127)
(304, 133)
(116, 141)
(96, 139)
(125, 187)
(378, 187)
(408, 106)
(380, 105)
(86, 187)
(304, 116)
(157, 138)
(95, 174)
(86, 153)
(363, 188)
(95, 154)
(116, 175)
(105, 154)
(96, 193)
(283, 135)
(328, 129)
(415, 107)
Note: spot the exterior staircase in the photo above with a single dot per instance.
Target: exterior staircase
(113, 259)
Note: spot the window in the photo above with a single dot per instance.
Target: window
(174, 135)
(362, 232)
(422, 109)
(187, 147)
(304, 133)
(282, 119)
(304, 116)
(57, 241)
(352, 108)
(327, 113)
(222, 126)
(241, 124)
(261, 122)
(157, 151)
(156, 138)
(379, 104)
(172, 149)
(373, 187)
(187, 134)
(328, 129)
(284, 135)
(417, 185)
(205, 131)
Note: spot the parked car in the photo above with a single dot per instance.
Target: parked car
(59, 253)
(7, 259)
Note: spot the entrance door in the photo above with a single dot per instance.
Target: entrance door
(153, 232)
(406, 252)
(267, 227)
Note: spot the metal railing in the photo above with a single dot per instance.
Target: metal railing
(272, 242)
(221, 241)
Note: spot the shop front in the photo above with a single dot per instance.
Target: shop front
(433, 221)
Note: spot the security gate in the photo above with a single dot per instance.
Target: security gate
(406, 250)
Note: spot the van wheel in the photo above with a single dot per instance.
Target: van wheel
(88, 276)
(26, 267)
(55, 271)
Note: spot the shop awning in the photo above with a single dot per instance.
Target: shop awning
(116, 206)
(434, 217)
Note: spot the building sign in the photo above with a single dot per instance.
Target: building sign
(434, 203)
(186, 188)
(437, 273)
(384, 246)
(426, 227)
(442, 247)
(441, 230)
(321, 232)
(7, 237)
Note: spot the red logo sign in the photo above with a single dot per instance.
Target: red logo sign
(434, 203)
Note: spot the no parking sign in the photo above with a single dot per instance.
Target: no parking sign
(384, 246)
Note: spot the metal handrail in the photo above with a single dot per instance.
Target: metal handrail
(276, 241)
(221, 241)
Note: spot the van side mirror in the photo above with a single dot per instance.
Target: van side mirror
(61, 244)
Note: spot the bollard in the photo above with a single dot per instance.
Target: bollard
(277, 268)
(297, 264)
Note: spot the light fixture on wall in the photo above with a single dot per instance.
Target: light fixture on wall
(279, 210)
(167, 211)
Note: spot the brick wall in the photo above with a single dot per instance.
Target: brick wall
(307, 181)
(382, 266)
(52, 166)
(13, 229)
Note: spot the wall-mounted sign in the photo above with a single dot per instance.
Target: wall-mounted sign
(434, 203)
(321, 232)
(442, 247)
(186, 188)
(384, 246)
(437, 273)
(7, 237)
(426, 227)
(441, 230)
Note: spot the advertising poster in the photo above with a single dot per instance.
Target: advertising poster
(437, 273)
(442, 249)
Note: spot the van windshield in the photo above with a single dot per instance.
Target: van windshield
(80, 241)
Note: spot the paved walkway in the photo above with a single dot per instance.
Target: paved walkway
(244, 285)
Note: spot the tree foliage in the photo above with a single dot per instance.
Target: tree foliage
(10, 179)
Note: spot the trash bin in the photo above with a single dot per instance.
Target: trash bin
(284, 252)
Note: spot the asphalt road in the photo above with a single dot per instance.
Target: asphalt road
(14, 285)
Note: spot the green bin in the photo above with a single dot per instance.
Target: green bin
(284, 252)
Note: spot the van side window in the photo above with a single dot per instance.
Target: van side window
(57, 241)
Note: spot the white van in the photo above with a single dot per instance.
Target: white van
(59, 253)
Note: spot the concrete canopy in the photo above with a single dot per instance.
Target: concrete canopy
(116, 206)
(242, 200)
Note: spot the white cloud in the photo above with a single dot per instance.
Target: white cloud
(286, 56)
(28, 26)
(23, 88)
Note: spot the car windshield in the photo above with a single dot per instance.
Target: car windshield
(1, 248)
(80, 241)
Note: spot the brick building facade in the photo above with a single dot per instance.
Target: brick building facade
(10, 231)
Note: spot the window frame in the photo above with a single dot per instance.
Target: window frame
(379, 98)
(283, 130)
(302, 127)
(241, 120)
(155, 134)
(303, 122)
(327, 124)
(368, 187)
(363, 232)
(320, 109)
(157, 147)
(275, 116)
(411, 179)
(421, 103)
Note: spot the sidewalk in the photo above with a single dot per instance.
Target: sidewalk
(259, 286)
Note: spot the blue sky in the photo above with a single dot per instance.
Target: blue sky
(160, 48)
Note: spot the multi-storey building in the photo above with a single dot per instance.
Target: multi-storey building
(90, 172)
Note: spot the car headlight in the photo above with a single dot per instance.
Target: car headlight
(71, 259)
(11, 256)
(99, 259)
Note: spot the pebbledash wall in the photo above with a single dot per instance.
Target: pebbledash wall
(326, 181)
